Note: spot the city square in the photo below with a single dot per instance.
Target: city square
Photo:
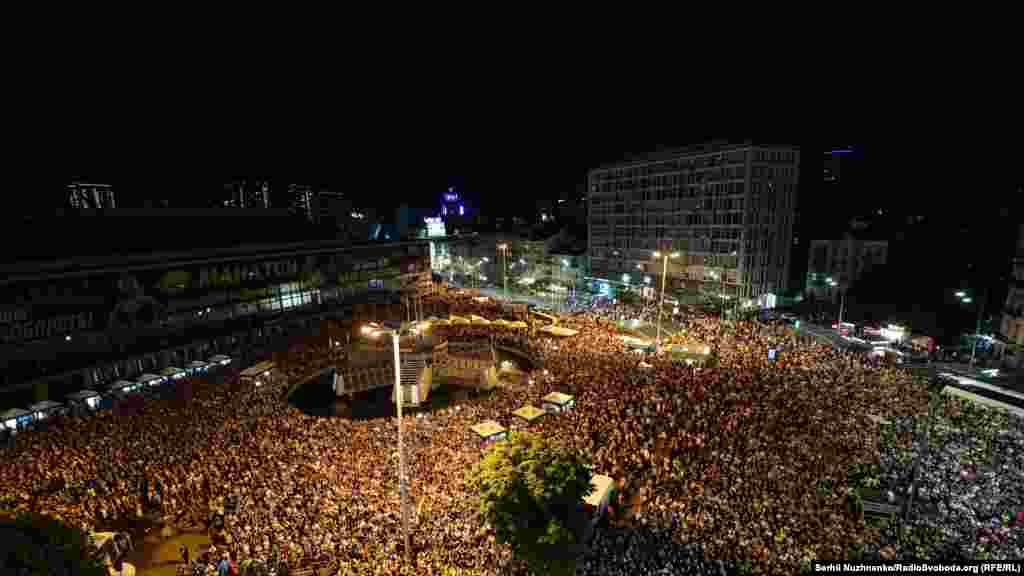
(740, 458)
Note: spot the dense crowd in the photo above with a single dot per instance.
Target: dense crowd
(730, 455)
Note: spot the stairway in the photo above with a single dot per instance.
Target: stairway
(410, 374)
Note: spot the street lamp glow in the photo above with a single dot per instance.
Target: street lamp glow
(961, 294)
(674, 255)
(625, 278)
(966, 300)
(657, 254)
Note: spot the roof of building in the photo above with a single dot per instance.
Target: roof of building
(120, 232)
(695, 150)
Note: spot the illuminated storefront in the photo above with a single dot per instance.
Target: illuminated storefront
(113, 319)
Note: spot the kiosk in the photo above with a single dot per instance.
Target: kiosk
(173, 373)
(84, 399)
(258, 376)
(557, 402)
(150, 380)
(123, 387)
(15, 419)
(220, 360)
(490, 431)
(529, 413)
(197, 367)
(43, 410)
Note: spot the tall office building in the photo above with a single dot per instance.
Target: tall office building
(303, 201)
(727, 209)
(87, 195)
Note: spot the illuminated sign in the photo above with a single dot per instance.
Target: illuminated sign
(239, 273)
(451, 197)
(25, 329)
(435, 227)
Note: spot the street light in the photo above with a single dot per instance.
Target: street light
(962, 295)
(842, 299)
(402, 488)
(504, 265)
(664, 273)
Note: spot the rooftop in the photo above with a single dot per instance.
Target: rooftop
(695, 150)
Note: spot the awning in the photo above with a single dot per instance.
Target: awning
(257, 370)
(44, 406)
(488, 429)
(529, 413)
(558, 398)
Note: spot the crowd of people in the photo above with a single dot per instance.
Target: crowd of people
(727, 455)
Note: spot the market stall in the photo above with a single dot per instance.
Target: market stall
(258, 376)
(173, 373)
(150, 380)
(124, 387)
(15, 419)
(87, 399)
(220, 360)
(489, 431)
(45, 409)
(197, 367)
(558, 402)
(529, 413)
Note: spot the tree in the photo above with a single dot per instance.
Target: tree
(531, 492)
(37, 544)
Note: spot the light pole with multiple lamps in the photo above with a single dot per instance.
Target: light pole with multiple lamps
(403, 488)
(664, 275)
(966, 298)
(504, 266)
(842, 299)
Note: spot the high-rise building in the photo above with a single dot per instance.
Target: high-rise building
(303, 201)
(1013, 312)
(728, 211)
(87, 195)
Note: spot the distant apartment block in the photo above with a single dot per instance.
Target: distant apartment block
(88, 195)
(728, 210)
(844, 261)
(1013, 312)
(247, 194)
(302, 201)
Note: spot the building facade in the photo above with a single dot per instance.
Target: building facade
(727, 210)
(1012, 325)
(86, 195)
(844, 261)
(65, 326)
(247, 194)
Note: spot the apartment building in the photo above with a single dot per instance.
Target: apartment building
(1012, 325)
(844, 261)
(728, 210)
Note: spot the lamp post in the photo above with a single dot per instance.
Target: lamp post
(504, 266)
(565, 264)
(842, 299)
(402, 488)
(966, 298)
(664, 274)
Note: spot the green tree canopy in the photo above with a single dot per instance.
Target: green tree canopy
(33, 544)
(531, 493)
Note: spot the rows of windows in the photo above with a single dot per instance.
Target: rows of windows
(693, 164)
